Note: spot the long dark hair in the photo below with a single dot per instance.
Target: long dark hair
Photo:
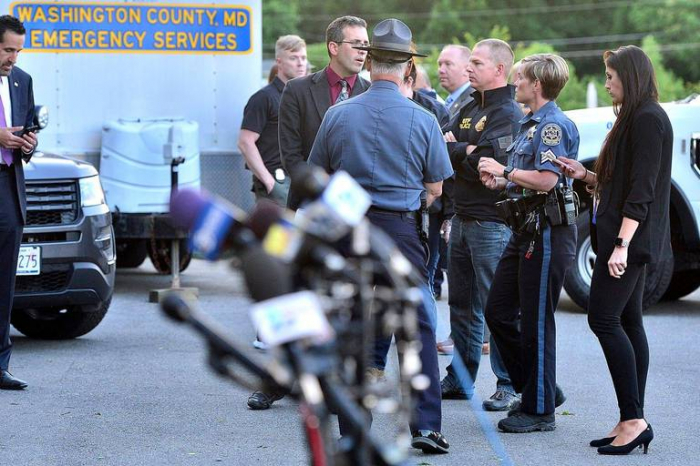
(636, 73)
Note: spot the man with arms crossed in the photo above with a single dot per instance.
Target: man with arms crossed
(484, 128)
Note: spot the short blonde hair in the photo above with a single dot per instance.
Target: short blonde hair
(550, 70)
(501, 53)
(289, 43)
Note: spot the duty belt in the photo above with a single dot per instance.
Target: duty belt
(559, 207)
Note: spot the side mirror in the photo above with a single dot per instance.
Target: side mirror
(41, 116)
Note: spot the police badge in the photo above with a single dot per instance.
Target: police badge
(551, 134)
(531, 133)
(480, 125)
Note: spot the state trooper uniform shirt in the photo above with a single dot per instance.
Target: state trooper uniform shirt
(389, 144)
(490, 122)
(544, 136)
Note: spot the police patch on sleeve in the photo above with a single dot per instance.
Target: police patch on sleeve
(547, 156)
(551, 134)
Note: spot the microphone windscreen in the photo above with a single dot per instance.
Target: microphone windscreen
(309, 182)
(264, 215)
(266, 276)
(185, 207)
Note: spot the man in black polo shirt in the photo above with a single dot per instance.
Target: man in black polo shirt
(258, 140)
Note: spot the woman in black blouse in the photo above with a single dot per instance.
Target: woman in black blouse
(632, 186)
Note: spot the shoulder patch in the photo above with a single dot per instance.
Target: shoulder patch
(547, 156)
(551, 134)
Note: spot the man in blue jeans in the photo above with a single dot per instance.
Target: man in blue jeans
(484, 128)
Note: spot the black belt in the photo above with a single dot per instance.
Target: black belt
(410, 214)
(4, 167)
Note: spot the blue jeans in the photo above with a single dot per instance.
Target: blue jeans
(434, 245)
(474, 251)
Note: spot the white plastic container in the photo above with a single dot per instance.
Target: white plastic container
(135, 162)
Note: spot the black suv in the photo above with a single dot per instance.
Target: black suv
(66, 269)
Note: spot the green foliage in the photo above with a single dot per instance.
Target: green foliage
(670, 87)
(317, 55)
(578, 30)
(284, 19)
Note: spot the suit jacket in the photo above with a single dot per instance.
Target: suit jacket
(304, 102)
(22, 102)
(462, 101)
(640, 189)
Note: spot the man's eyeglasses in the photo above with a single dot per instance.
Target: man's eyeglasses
(355, 43)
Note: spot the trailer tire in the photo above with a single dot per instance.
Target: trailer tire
(131, 253)
(578, 279)
(159, 253)
(60, 324)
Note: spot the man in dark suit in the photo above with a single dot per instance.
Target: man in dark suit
(16, 113)
(452, 71)
(306, 100)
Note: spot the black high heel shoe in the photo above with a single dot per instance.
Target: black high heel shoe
(642, 440)
(601, 442)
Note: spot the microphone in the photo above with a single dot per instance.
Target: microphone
(216, 225)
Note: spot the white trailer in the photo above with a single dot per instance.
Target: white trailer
(171, 78)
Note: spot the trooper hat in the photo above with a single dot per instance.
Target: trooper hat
(391, 35)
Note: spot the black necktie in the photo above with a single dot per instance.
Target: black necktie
(343, 91)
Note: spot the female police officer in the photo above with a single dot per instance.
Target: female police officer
(531, 271)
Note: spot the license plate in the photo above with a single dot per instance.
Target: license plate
(29, 261)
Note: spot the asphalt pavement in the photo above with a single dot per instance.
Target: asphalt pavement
(137, 391)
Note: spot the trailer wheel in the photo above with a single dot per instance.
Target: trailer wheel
(159, 252)
(60, 324)
(131, 253)
(578, 278)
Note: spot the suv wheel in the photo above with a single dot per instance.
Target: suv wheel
(578, 278)
(59, 324)
(159, 252)
(682, 284)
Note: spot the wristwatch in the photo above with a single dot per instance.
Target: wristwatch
(621, 243)
(507, 171)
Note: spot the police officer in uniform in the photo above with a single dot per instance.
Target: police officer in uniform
(394, 149)
(541, 211)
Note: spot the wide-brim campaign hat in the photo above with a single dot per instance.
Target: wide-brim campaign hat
(391, 35)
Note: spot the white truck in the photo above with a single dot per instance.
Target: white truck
(671, 277)
(132, 87)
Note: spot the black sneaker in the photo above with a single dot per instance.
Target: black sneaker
(559, 399)
(450, 391)
(502, 400)
(261, 400)
(430, 441)
(520, 423)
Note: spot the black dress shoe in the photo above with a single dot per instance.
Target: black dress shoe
(601, 442)
(642, 440)
(9, 382)
(262, 400)
(430, 441)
